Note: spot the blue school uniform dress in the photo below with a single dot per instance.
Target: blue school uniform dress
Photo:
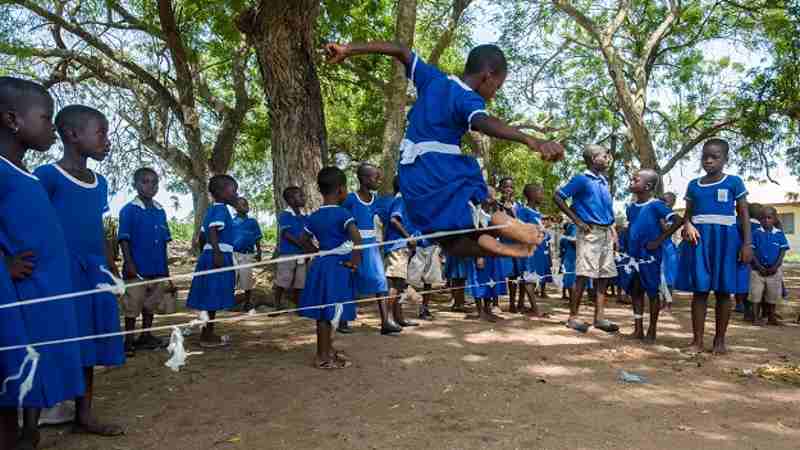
(669, 261)
(743, 270)
(644, 225)
(527, 214)
(542, 261)
(247, 232)
(441, 186)
(12, 332)
(712, 264)
(80, 207)
(566, 246)
(371, 276)
(28, 222)
(488, 282)
(329, 281)
(456, 268)
(145, 229)
(216, 291)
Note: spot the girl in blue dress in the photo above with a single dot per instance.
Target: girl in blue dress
(566, 247)
(444, 188)
(32, 240)
(456, 271)
(216, 291)
(543, 263)
(713, 244)
(487, 283)
(669, 262)
(331, 278)
(80, 197)
(534, 193)
(511, 267)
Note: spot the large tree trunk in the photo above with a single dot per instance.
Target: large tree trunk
(200, 202)
(396, 94)
(282, 33)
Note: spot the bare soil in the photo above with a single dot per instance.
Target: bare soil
(455, 383)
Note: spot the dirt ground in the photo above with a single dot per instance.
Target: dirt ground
(455, 383)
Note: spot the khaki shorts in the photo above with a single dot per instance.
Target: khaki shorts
(396, 263)
(768, 288)
(150, 298)
(291, 274)
(594, 253)
(244, 277)
(425, 267)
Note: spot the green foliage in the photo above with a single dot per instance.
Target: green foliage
(181, 230)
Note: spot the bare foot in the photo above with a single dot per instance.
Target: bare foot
(775, 323)
(650, 340)
(636, 336)
(696, 347)
(719, 347)
(490, 317)
(535, 313)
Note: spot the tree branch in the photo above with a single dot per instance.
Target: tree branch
(184, 81)
(654, 41)
(446, 38)
(691, 144)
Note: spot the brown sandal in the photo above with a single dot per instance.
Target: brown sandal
(333, 364)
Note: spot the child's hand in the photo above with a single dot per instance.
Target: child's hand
(480, 263)
(691, 234)
(550, 151)
(20, 266)
(746, 254)
(219, 260)
(412, 245)
(584, 227)
(352, 265)
(131, 271)
(336, 52)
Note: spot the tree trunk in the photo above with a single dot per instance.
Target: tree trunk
(612, 170)
(282, 33)
(200, 202)
(394, 106)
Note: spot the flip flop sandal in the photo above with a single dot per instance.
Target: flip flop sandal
(340, 356)
(581, 327)
(333, 364)
(607, 326)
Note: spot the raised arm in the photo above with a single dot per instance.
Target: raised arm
(339, 52)
(496, 128)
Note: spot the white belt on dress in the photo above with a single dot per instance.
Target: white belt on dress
(225, 248)
(365, 234)
(714, 219)
(410, 150)
(345, 248)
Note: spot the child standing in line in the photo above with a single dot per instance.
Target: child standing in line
(529, 213)
(398, 254)
(487, 284)
(510, 266)
(645, 239)
(442, 187)
(215, 292)
(756, 212)
(35, 258)
(143, 236)
(542, 259)
(331, 278)
(669, 263)
(456, 272)
(291, 275)
(567, 250)
(766, 280)
(246, 248)
(80, 197)
(371, 276)
(593, 215)
(713, 245)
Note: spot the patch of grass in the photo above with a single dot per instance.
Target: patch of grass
(793, 257)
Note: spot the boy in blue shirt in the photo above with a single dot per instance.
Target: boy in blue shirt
(291, 275)
(143, 236)
(246, 246)
(593, 215)
(766, 278)
(443, 188)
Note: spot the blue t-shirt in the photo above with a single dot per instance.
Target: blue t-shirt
(768, 245)
(218, 216)
(294, 224)
(528, 215)
(147, 232)
(644, 224)
(363, 213)
(80, 206)
(397, 211)
(710, 201)
(329, 225)
(591, 198)
(247, 233)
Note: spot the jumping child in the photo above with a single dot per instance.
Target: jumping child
(35, 257)
(215, 292)
(593, 215)
(331, 278)
(645, 240)
(767, 277)
(246, 248)
(143, 236)
(80, 197)
(713, 245)
(291, 275)
(442, 187)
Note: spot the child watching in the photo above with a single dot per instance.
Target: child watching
(593, 215)
(669, 262)
(767, 277)
(566, 248)
(35, 258)
(443, 188)
(246, 248)
(713, 245)
(331, 277)
(398, 254)
(529, 213)
(80, 197)
(214, 292)
(143, 236)
(291, 275)
(645, 240)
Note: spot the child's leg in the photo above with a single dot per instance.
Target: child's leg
(542, 289)
(296, 294)
(9, 427)
(30, 428)
(85, 422)
(388, 325)
(637, 298)
(278, 296)
(524, 233)
(130, 325)
(424, 311)
(324, 341)
(577, 293)
(458, 294)
(530, 291)
(722, 315)
(655, 309)
(512, 296)
(208, 335)
(699, 307)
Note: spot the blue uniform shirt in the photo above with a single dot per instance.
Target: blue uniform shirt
(247, 233)
(218, 216)
(644, 224)
(528, 215)
(397, 211)
(294, 224)
(146, 230)
(591, 198)
(768, 245)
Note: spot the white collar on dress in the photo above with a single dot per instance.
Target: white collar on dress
(724, 177)
(645, 203)
(29, 175)
(460, 83)
(371, 201)
(76, 181)
(591, 174)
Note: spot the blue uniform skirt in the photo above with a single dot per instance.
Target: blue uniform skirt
(457, 268)
(12, 332)
(212, 292)
(491, 273)
(371, 275)
(96, 313)
(329, 282)
(542, 264)
(742, 278)
(669, 262)
(438, 189)
(568, 269)
(648, 273)
(711, 265)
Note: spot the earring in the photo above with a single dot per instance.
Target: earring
(15, 130)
